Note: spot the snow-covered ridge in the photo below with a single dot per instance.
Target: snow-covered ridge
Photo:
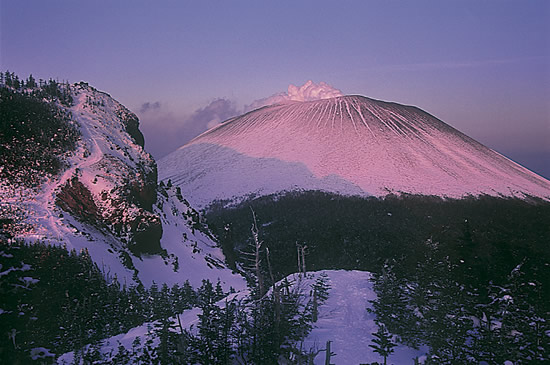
(363, 146)
(106, 202)
(107, 173)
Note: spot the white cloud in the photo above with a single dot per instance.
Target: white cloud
(311, 91)
(307, 92)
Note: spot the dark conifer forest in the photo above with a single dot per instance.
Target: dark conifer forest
(59, 300)
(469, 278)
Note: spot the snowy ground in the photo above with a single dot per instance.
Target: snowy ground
(197, 254)
(343, 319)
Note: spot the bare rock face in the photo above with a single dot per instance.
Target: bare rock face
(143, 191)
(131, 125)
(146, 231)
(139, 228)
(76, 199)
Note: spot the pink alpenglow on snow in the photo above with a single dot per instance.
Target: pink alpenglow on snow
(351, 145)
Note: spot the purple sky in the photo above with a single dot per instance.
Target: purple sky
(480, 66)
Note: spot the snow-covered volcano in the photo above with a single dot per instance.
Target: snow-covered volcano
(349, 145)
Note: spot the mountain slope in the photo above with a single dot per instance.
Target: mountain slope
(351, 145)
(102, 196)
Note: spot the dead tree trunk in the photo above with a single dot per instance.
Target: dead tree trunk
(257, 258)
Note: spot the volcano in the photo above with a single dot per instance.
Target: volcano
(350, 145)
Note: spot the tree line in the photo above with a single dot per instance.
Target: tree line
(35, 135)
(61, 301)
(50, 89)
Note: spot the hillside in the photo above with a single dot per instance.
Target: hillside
(75, 174)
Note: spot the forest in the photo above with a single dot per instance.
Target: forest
(468, 278)
(54, 301)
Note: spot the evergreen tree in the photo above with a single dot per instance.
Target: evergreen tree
(391, 306)
(8, 78)
(213, 344)
(165, 330)
(31, 82)
(383, 343)
(320, 294)
(153, 299)
(519, 329)
(16, 83)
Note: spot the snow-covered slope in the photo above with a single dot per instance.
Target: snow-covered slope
(350, 145)
(105, 201)
(343, 320)
(191, 252)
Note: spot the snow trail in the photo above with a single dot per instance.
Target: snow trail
(48, 224)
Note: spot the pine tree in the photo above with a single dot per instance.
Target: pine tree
(165, 331)
(16, 82)
(31, 82)
(383, 343)
(522, 324)
(153, 299)
(391, 304)
(213, 343)
(320, 294)
(8, 78)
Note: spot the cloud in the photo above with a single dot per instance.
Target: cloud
(148, 106)
(166, 131)
(311, 91)
(212, 114)
(307, 92)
